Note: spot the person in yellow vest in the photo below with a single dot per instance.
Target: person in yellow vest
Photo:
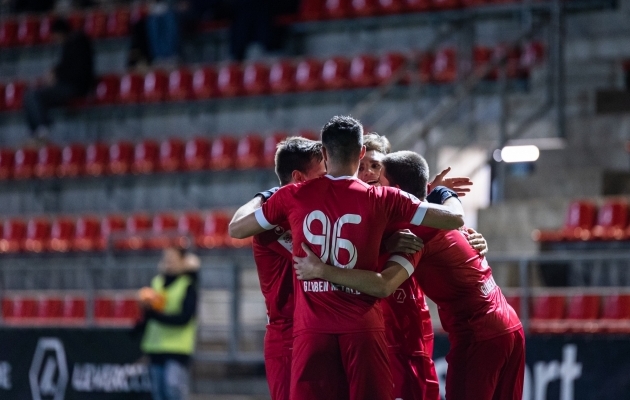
(170, 323)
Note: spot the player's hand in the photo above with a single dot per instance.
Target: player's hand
(458, 184)
(403, 242)
(309, 267)
(477, 241)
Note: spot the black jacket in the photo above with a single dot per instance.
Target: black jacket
(76, 67)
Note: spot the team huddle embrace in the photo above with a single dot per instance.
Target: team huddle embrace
(347, 249)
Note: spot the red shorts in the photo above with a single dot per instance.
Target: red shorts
(492, 369)
(278, 347)
(351, 366)
(414, 377)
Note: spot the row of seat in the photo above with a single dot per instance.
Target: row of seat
(70, 309)
(145, 157)
(139, 231)
(285, 76)
(584, 222)
(577, 313)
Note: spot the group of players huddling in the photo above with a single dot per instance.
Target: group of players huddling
(328, 246)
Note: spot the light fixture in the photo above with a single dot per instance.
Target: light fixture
(515, 154)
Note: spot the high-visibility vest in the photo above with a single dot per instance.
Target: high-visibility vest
(162, 338)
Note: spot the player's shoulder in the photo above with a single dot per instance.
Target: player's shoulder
(390, 191)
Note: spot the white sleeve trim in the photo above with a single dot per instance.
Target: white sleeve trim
(404, 262)
(260, 217)
(418, 217)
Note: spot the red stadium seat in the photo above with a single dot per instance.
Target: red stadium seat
(282, 77)
(7, 160)
(155, 86)
(223, 153)
(230, 80)
(418, 5)
(163, 232)
(582, 313)
(311, 9)
(256, 79)
(425, 66)
(249, 152)
(269, 149)
(335, 73)
(171, 155)
(126, 310)
(445, 66)
(131, 88)
(96, 159)
(205, 83)
(13, 236)
(512, 62)
(44, 33)
(25, 160)
(532, 54)
(74, 309)
(138, 226)
(62, 235)
(180, 85)
(362, 71)
(37, 235)
(189, 225)
(616, 313)
(14, 95)
(146, 157)
(48, 160)
(547, 313)
(76, 20)
(49, 308)
(118, 22)
(2, 95)
(103, 308)
(15, 308)
(28, 31)
(197, 154)
(87, 234)
(338, 8)
(308, 134)
(482, 56)
(8, 32)
(445, 4)
(475, 3)
(392, 6)
(72, 160)
(111, 226)
(121, 156)
(95, 24)
(578, 224)
(363, 8)
(308, 75)
(388, 66)
(215, 231)
(107, 89)
(612, 221)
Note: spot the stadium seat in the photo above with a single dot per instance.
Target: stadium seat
(44, 32)
(215, 231)
(28, 31)
(425, 66)
(582, 313)
(163, 231)
(13, 236)
(16, 308)
(76, 19)
(197, 154)
(512, 62)
(445, 4)
(338, 8)
(269, 149)
(107, 89)
(2, 94)
(118, 22)
(48, 160)
(103, 308)
(180, 85)
(126, 310)
(311, 9)
(131, 88)
(121, 156)
(364, 8)
(74, 309)
(72, 161)
(335, 73)
(25, 160)
(418, 5)
(14, 95)
(96, 159)
(49, 309)
(362, 71)
(309, 134)
(578, 224)
(8, 32)
(37, 235)
(112, 228)
(308, 75)
(171, 155)
(282, 77)
(137, 228)
(616, 313)
(62, 235)
(612, 221)
(146, 157)
(445, 66)
(256, 79)
(532, 54)
(156, 86)
(189, 226)
(249, 152)
(7, 160)
(482, 56)
(230, 80)
(205, 83)
(95, 24)
(391, 6)
(388, 65)
(223, 153)
(547, 312)
(87, 234)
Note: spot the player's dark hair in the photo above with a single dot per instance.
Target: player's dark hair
(407, 170)
(60, 25)
(376, 142)
(342, 137)
(296, 153)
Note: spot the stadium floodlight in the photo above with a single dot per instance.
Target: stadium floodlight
(516, 154)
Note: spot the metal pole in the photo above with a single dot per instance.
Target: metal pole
(525, 292)
(235, 301)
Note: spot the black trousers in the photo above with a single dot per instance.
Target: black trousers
(38, 102)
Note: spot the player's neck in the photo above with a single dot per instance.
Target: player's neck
(342, 170)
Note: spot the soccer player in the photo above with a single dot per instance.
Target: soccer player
(487, 355)
(344, 220)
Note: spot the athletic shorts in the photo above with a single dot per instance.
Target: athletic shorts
(351, 366)
(414, 377)
(492, 369)
(277, 351)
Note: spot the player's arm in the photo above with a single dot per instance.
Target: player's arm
(369, 282)
(443, 207)
(249, 219)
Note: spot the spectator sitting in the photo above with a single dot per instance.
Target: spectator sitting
(71, 78)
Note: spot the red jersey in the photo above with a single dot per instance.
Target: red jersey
(459, 280)
(272, 254)
(342, 220)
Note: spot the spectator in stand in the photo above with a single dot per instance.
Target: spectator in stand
(72, 78)
(169, 324)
